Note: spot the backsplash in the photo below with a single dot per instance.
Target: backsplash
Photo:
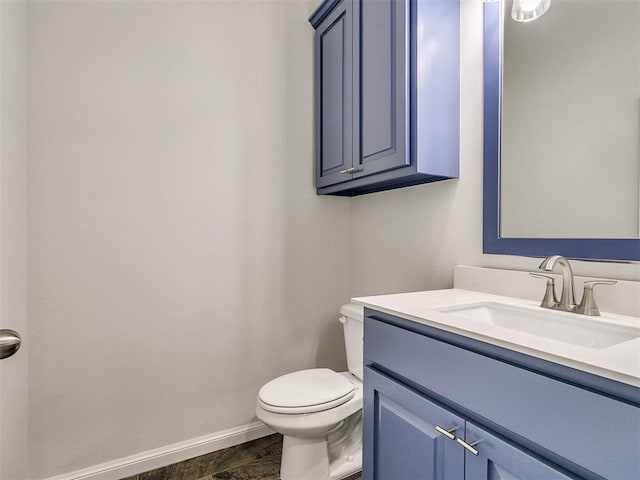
(623, 298)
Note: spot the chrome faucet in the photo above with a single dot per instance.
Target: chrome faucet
(567, 299)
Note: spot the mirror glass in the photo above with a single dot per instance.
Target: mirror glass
(561, 130)
(569, 151)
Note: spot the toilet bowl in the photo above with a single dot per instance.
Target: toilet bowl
(319, 413)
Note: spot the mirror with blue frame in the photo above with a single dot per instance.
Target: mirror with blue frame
(562, 128)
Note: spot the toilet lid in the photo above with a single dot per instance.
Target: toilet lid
(306, 391)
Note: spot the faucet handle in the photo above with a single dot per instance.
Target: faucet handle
(550, 300)
(588, 304)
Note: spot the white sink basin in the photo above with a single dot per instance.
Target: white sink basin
(593, 332)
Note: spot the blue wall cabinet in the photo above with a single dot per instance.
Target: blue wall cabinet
(334, 54)
(515, 416)
(382, 124)
(387, 94)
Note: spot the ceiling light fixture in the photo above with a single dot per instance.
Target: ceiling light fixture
(529, 10)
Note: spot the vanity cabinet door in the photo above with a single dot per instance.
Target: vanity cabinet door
(334, 96)
(498, 459)
(400, 437)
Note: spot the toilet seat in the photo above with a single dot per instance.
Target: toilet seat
(306, 391)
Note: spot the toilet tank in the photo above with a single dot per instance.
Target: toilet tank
(352, 317)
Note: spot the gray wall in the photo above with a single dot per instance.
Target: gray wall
(177, 249)
(179, 257)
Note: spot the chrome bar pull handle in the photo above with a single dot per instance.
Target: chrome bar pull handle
(447, 432)
(348, 170)
(10, 342)
(469, 446)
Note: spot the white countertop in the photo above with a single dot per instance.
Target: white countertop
(619, 362)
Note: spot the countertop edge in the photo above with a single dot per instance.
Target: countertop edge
(438, 320)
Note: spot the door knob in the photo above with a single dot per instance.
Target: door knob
(10, 342)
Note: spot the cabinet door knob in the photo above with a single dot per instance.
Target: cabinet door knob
(468, 446)
(447, 432)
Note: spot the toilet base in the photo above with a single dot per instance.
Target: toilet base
(308, 460)
(304, 459)
(324, 445)
(346, 466)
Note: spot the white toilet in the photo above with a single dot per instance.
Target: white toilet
(319, 412)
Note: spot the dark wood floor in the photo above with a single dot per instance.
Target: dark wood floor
(256, 460)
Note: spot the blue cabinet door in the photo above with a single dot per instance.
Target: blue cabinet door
(381, 92)
(334, 95)
(400, 440)
(501, 460)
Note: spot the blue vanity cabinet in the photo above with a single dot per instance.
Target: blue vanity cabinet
(499, 459)
(401, 425)
(386, 94)
(532, 419)
(403, 442)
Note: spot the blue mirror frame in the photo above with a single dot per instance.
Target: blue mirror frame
(616, 249)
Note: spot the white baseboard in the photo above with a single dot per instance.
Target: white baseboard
(161, 457)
